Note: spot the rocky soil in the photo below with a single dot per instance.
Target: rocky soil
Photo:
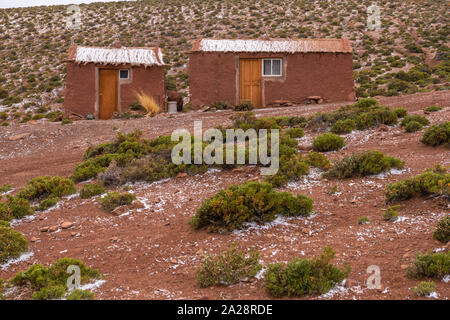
(149, 251)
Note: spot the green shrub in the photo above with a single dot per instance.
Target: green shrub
(92, 167)
(78, 294)
(413, 126)
(430, 265)
(424, 288)
(91, 190)
(5, 188)
(363, 220)
(318, 160)
(115, 199)
(380, 115)
(244, 106)
(291, 168)
(50, 293)
(433, 108)
(343, 126)
(328, 142)
(302, 276)
(366, 103)
(427, 183)
(221, 105)
(12, 244)
(66, 121)
(50, 283)
(442, 232)
(295, 132)
(48, 202)
(250, 202)
(400, 112)
(421, 119)
(42, 187)
(228, 267)
(15, 208)
(391, 213)
(363, 164)
(437, 135)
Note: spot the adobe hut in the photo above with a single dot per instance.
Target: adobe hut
(270, 72)
(101, 81)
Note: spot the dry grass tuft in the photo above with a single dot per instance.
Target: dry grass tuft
(148, 103)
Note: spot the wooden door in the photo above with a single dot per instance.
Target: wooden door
(107, 92)
(250, 81)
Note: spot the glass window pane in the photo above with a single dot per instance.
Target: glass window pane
(276, 67)
(123, 74)
(267, 67)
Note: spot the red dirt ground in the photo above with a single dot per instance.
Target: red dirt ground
(152, 252)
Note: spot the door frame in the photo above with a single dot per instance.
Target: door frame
(97, 91)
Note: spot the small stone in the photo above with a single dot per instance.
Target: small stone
(119, 210)
(19, 136)
(181, 175)
(237, 170)
(137, 205)
(44, 229)
(269, 235)
(199, 252)
(306, 230)
(53, 228)
(66, 224)
(34, 239)
(404, 266)
(174, 261)
(113, 239)
(74, 234)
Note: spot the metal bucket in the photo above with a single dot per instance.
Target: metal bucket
(172, 107)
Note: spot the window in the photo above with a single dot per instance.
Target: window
(124, 74)
(272, 67)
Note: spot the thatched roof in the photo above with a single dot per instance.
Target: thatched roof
(272, 46)
(116, 56)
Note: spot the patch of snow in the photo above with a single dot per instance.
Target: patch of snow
(93, 285)
(23, 257)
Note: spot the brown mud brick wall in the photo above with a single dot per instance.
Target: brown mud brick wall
(82, 86)
(215, 77)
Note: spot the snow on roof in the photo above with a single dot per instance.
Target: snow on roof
(281, 46)
(134, 56)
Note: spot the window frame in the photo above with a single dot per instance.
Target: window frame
(129, 74)
(271, 62)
